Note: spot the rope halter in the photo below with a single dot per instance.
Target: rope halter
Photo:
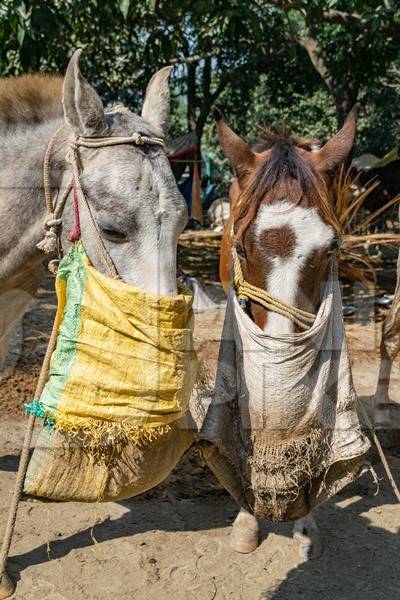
(135, 138)
(51, 241)
(245, 291)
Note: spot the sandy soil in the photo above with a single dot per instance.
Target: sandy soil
(174, 540)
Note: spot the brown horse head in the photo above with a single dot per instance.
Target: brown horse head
(282, 223)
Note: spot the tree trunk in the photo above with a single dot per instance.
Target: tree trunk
(344, 92)
(345, 95)
(198, 110)
(191, 96)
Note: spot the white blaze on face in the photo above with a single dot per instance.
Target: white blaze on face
(310, 232)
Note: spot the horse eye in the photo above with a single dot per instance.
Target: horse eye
(334, 247)
(240, 251)
(146, 148)
(113, 235)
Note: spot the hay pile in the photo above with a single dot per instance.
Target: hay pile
(356, 226)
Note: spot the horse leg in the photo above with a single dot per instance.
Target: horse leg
(389, 349)
(245, 534)
(15, 298)
(382, 401)
(306, 538)
(13, 305)
(382, 408)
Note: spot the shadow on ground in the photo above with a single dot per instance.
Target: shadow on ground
(359, 560)
(359, 557)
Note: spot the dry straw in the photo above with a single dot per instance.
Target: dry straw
(355, 228)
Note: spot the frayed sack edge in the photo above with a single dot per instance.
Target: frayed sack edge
(102, 440)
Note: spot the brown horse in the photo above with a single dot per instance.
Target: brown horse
(283, 227)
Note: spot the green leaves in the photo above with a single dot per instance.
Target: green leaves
(124, 7)
(236, 43)
(20, 34)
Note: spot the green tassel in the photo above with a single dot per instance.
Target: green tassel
(36, 409)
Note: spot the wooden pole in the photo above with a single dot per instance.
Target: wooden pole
(197, 209)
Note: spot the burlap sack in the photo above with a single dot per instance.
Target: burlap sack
(282, 416)
(116, 402)
(61, 469)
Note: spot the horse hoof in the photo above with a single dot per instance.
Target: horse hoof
(7, 587)
(307, 547)
(243, 539)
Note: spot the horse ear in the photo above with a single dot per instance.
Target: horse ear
(156, 106)
(235, 149)
(83, 109)
(335, 152)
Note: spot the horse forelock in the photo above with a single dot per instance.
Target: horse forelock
(268, 138)
(282, 173)
(30, 99)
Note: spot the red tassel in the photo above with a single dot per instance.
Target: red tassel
(75, 233)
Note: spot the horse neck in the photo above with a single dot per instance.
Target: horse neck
(25, 146)
(22, 201)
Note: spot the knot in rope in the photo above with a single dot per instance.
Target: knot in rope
(245, 291)
(73, 147)
(137, 138)
(52, 222)
(50, 241)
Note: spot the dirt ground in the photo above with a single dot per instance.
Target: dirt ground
(174, 540)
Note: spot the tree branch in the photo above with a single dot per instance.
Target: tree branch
(311, 45)
(342, 18)
(351, 20)
(194, 58)
(339, 17)
(209, 99)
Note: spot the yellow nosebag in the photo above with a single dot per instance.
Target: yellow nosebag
(120, 381)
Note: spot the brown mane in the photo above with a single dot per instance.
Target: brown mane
(29, 99)
(283, 168)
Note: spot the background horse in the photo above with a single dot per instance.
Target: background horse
(389, 350)
(283, 227)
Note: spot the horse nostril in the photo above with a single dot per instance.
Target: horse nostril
(299, 256)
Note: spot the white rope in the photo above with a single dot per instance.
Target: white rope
(136, 138)
(247, 291)
(53, 220)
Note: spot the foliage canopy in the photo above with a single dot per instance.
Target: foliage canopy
(304, 63)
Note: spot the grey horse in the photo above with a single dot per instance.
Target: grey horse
(137, 207)
(132, 192)
(137, 210)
